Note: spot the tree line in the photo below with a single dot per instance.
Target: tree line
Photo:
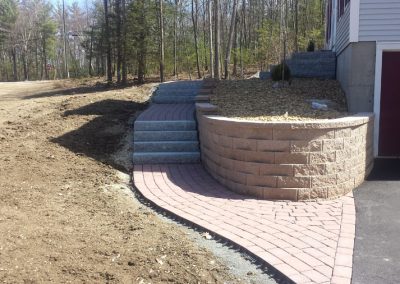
(122, 39)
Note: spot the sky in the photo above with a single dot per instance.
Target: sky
(69, 2)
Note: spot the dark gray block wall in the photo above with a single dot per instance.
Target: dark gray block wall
(318, 64)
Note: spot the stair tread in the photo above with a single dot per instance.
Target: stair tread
(164, 131)
(165, 153)
(166, 142)
(165, 121)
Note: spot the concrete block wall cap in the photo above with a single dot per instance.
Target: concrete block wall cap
(202, 97)
(343, 122)
(206, 107)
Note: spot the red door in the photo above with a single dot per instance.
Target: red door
(389, 126)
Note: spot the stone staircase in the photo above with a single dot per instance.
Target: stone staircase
(167, 131)
(177, 92)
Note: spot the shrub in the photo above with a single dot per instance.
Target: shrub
(311, 46)
(276, 73)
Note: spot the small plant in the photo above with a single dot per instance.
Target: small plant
(311, 46)
(276, 73)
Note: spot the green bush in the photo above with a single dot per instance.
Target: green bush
(276, 73)
(311, 46)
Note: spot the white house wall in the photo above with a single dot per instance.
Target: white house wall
(343, 31)
(379, 20)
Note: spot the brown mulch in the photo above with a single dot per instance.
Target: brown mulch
(257, 100)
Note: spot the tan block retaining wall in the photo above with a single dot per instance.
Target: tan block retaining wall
(287, 160)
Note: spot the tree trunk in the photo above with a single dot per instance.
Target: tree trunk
(36, 60)
(217, 39)
(108, 43)
(210, 31)
(204, 35)
(46, 71)
(175, 38)
(65, 43)
(14, 59)
(161, 41)
(91, 52)
(25, 64)
(296, 25)
(244, 22)
(235, 39)
(119, 39)
(142, 45)
(196, 45)
(230, 39)
(123, 55)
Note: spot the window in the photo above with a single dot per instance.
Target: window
(341, 5)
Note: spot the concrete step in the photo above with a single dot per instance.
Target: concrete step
(173, 99)
(166, 146)
(181, 85)
(165, 136)
(166, 158)
(172, 125)
(169, 93)
(202, 99)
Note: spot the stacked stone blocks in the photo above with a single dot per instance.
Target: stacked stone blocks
(287, 160)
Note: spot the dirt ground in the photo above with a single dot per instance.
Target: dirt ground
(67, 214)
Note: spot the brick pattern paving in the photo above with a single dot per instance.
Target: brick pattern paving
(309, 242)
(160, 112)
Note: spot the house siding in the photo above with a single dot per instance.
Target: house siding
(343, 31)
(379, 20)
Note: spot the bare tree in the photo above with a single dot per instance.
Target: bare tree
(194, 19)
(210, 30)
(177, 3)
(217, 39)
(65, 41)
(230, 40)
(118, 16)
(123, 56)
(161, 41)
(108, 43)
(142, 48)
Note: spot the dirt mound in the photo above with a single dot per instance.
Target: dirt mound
(66, 210)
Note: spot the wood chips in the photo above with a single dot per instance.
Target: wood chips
(256, 99)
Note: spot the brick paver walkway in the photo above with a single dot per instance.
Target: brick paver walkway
(309, 242)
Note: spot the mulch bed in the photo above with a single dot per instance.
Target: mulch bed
(257, 100)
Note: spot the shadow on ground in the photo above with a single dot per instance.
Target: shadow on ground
(98, 87)
(101, 137)
(88, 89)
(385, 169)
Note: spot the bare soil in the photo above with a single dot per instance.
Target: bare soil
(67, 213)
(258, 100)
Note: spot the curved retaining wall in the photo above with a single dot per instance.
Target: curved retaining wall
(287, 160)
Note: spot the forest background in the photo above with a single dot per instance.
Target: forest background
(126, 39)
